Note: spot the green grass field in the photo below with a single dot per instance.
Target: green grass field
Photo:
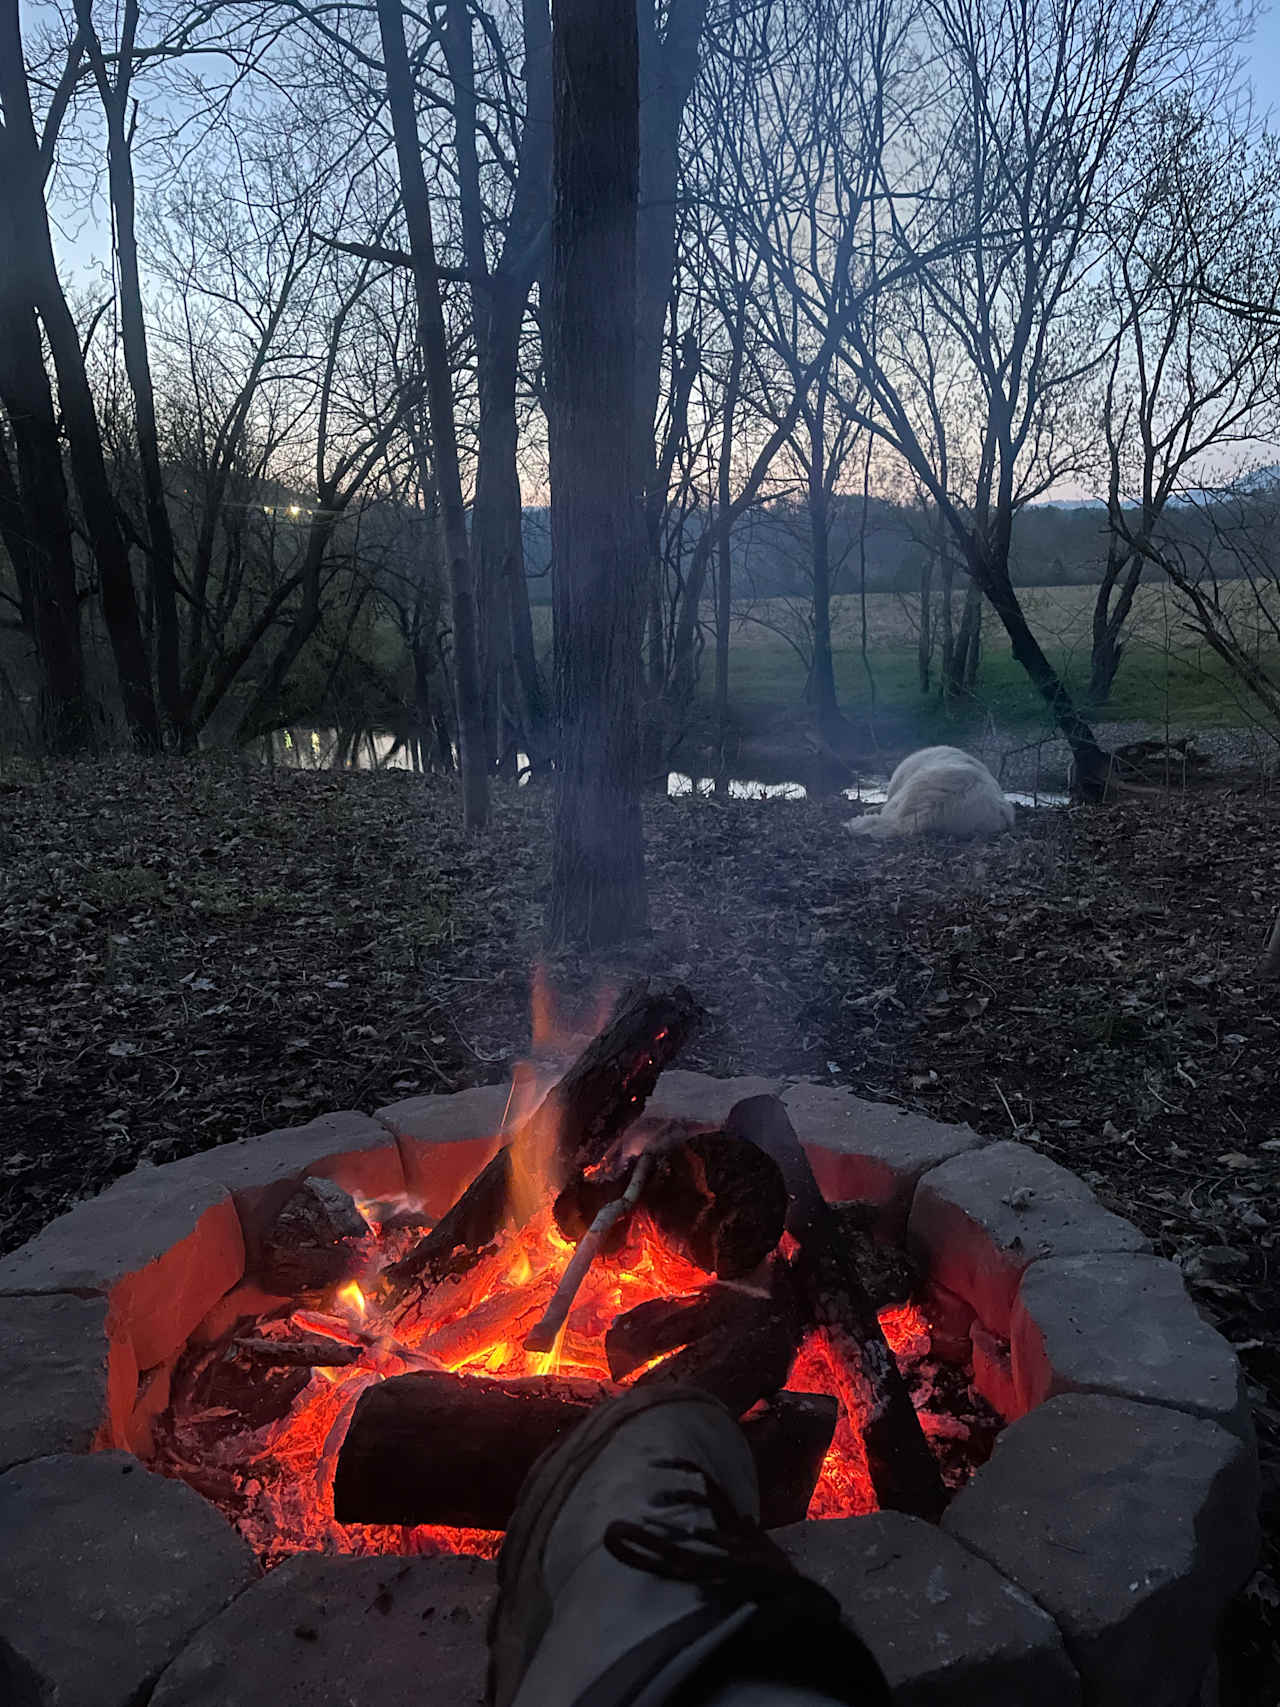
(1166, 674)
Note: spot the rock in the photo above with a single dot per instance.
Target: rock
(66, 1387)
(318, 1239)
(162, 1245)
(947, 1629)
(1122, 1325)
(262, 1173)
(444, 1141)
(1132, 1525)
(329, 1632)
(699, 1096)
(105, 1571)
(978, 1220)
(873, 1152)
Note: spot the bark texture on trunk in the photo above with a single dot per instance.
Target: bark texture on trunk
(1112, 605)
(37, 285)
(37, 515)
(1092, 765)
(498, 301)
(435, 361)
(597, 880)
(822, 676)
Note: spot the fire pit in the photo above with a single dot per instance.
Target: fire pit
(1088, 1561)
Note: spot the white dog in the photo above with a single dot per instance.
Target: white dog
(940, 790)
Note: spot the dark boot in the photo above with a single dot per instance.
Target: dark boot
(635, 1573)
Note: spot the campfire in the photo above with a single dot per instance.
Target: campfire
(384, 1382)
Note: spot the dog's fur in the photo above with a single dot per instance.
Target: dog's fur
(939, 790)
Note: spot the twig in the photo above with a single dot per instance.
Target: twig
(542, 1336)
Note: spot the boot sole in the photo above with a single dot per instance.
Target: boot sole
(513, 1638)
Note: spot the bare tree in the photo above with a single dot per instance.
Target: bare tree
(1033, 103)
(439, 384)
(1190, 377)
(36, 286)
(114, 83)
(597, 875)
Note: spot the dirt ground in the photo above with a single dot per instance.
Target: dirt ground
(191, 954)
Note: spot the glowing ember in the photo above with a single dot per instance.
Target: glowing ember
(275, 1481)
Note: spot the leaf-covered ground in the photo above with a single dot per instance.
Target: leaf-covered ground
(194, 953)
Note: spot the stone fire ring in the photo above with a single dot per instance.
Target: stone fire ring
(1088, 1562)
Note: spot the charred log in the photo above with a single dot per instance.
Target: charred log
(720, 1200)
(662, 1325)
(887, 1271)
(721, 1203)
(740, 1368)
(455, 1449)
(610, 1082)
(902, 1468)
(789, 1438)
(572, 1128)
(468, 1228)
(318, 1239)
(299, 1354)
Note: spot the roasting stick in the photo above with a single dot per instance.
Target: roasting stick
(542, 1336)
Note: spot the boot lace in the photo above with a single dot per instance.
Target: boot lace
(729, 1555)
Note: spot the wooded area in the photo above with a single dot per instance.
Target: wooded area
(295, 306)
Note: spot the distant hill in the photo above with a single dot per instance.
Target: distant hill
(1054, 545)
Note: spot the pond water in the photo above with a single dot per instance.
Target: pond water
(315, 749)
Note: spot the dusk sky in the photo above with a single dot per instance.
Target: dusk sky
(1265, 63)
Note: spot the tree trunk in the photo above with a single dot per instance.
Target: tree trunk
(265, 704)
(946, 566)
(496, 539)
(498, 302)
(1092, 766)
(724, 531)
(31, 256)
(1124, 569)
(924, 639)
(960, 667)
(597, 877)
(37, 529)
(137, 362)
(435, 361)
(822, 678)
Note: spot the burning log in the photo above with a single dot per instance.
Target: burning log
(660, 1325)
(610, 1082)
(789, 1438)
(741, 1367)
(572, 1128)
(469, 1226)
(722, 1201)
(455, 1449)
(902, 1468)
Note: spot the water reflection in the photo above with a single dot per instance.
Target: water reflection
(380, 749)
(868, 791)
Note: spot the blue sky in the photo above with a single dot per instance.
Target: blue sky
(1265, 63)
